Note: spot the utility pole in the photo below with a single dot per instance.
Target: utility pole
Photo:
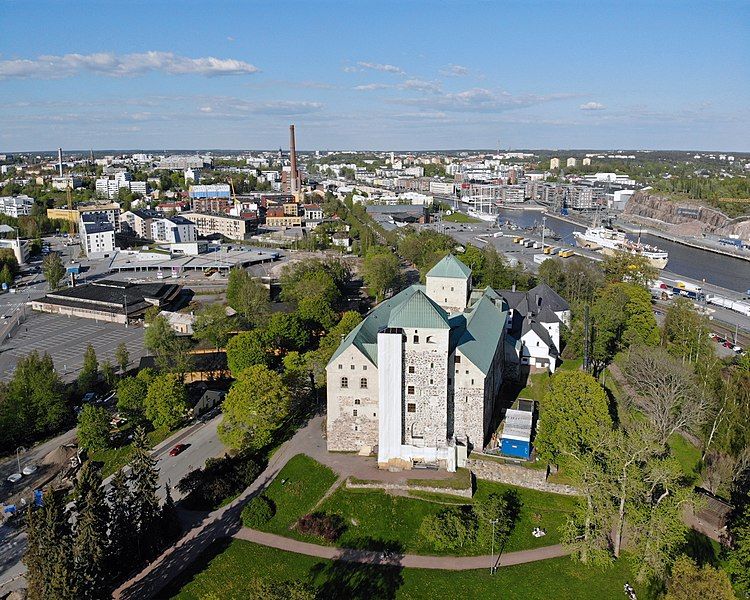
(493, 568)
(18, 458)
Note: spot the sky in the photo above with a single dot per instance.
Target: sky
(382, 75)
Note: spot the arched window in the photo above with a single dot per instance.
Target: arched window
(363, 383)
(344, 382)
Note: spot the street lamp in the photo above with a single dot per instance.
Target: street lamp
(493, 568)
(18, 458)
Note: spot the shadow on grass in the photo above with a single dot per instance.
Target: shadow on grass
(700, 549)
(368, 568)
(196, 567)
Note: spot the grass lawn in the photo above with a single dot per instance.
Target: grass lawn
(458, 217)
(686, 454)
(373, 517)
(304, 483)
(227, 569)
(571, 365)
(536, 386)
(115, 459)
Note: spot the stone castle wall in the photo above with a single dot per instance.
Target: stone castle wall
(491, 470)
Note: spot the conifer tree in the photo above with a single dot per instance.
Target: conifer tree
(122, 540)
(143, 479)
(90, 539)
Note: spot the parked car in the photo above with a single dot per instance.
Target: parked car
(177, 449)
(15, 477)
(728, 344)
(29, 469)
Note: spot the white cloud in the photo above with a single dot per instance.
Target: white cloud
(592, 106)
(206, 109)
(383, 68)
(369, 87)
(478, 100)
(420, 85)
(126, 65)
(350, 69)
(455, 71)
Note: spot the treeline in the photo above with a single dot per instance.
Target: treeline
(84, 550)
(616, 443)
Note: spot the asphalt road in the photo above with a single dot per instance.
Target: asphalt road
(203, 443)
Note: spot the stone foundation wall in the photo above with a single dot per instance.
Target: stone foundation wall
(376, 485)
(519, 476)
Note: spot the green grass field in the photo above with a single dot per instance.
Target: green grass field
(115, 459)
(373, 517)
(296, 489)
(458, 217)
(226, 571)
(686, 454)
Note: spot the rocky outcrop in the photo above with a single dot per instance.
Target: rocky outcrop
(684, 217)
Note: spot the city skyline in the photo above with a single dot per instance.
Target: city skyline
(444, 76)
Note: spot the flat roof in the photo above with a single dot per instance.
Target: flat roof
(123, 261)
(517, 425)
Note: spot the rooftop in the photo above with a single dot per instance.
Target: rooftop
(450, 267)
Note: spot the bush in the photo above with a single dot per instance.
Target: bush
(450, 528)
(328, 527)
(258, 511)
(220, 480)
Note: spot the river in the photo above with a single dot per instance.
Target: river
(717, 269)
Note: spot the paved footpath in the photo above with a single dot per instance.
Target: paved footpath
(411, 561)
(225, 522)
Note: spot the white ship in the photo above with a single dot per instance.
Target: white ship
(608, 241)
(481, 215)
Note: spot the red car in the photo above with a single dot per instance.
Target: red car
(177, 449)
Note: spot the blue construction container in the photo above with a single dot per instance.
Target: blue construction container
(517, 448)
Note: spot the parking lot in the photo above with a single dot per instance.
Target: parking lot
(66, 339)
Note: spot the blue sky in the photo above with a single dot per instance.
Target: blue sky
(380, 75)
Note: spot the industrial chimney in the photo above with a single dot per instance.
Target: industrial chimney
(59, 161)
(294, 180)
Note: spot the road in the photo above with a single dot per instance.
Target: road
(203, 443)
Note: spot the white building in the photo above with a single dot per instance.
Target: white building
(173, 230)
(447, 188)
(419, 376)
(16, 206)
(65, 182)
(97, 236)
(571, 162)
(554, 163)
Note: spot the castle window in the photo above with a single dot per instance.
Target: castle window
(458, 359)
(432, 365)
(472, 382)
(416, 339)
(356, 428)
(344, 382)
(363, 383)
(351, 367)
(356, 401)
(411, 369)
(374, 414)
(364, 367)
(410, 390)
(354, 412)
(429, 340)
(431, 381)
(411, 407)
(451, 288)
(341, 367)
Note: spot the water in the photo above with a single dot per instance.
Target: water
(693, 263)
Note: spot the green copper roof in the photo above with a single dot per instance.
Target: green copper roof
(419, 311)
(483, 329)
(450, 266)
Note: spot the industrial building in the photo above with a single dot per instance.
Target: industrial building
(108, 300)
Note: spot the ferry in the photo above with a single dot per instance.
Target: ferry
(608, 241)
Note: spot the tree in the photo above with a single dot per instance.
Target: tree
(166, 401)
(131, 394)
(381, 272)
(285, 332)
(738, 559)
(255, 407)
(53, 270)
(499, 511)
(122, 356)
(685, 332)
(247, 296)
(574, 417)
(109, 374)
(90, 534)
(122, 538)
(258, 511)
(665, 391)
(161, 340)
(317, 312)
(450, 528)
(89, 371)
(33, 403)
(93, 428)
(632, 268)
(247, 349)
(213, 325)
(49, 557)
(689, 581)
(145, 506)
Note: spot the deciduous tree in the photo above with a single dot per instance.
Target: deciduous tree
(247, 296)
(89, 371)
(166, 401)
(247, 349)
(93, 427)
(689, 581)
(53, 270)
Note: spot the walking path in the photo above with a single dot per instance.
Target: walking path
(225, 522)
(411, 561)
